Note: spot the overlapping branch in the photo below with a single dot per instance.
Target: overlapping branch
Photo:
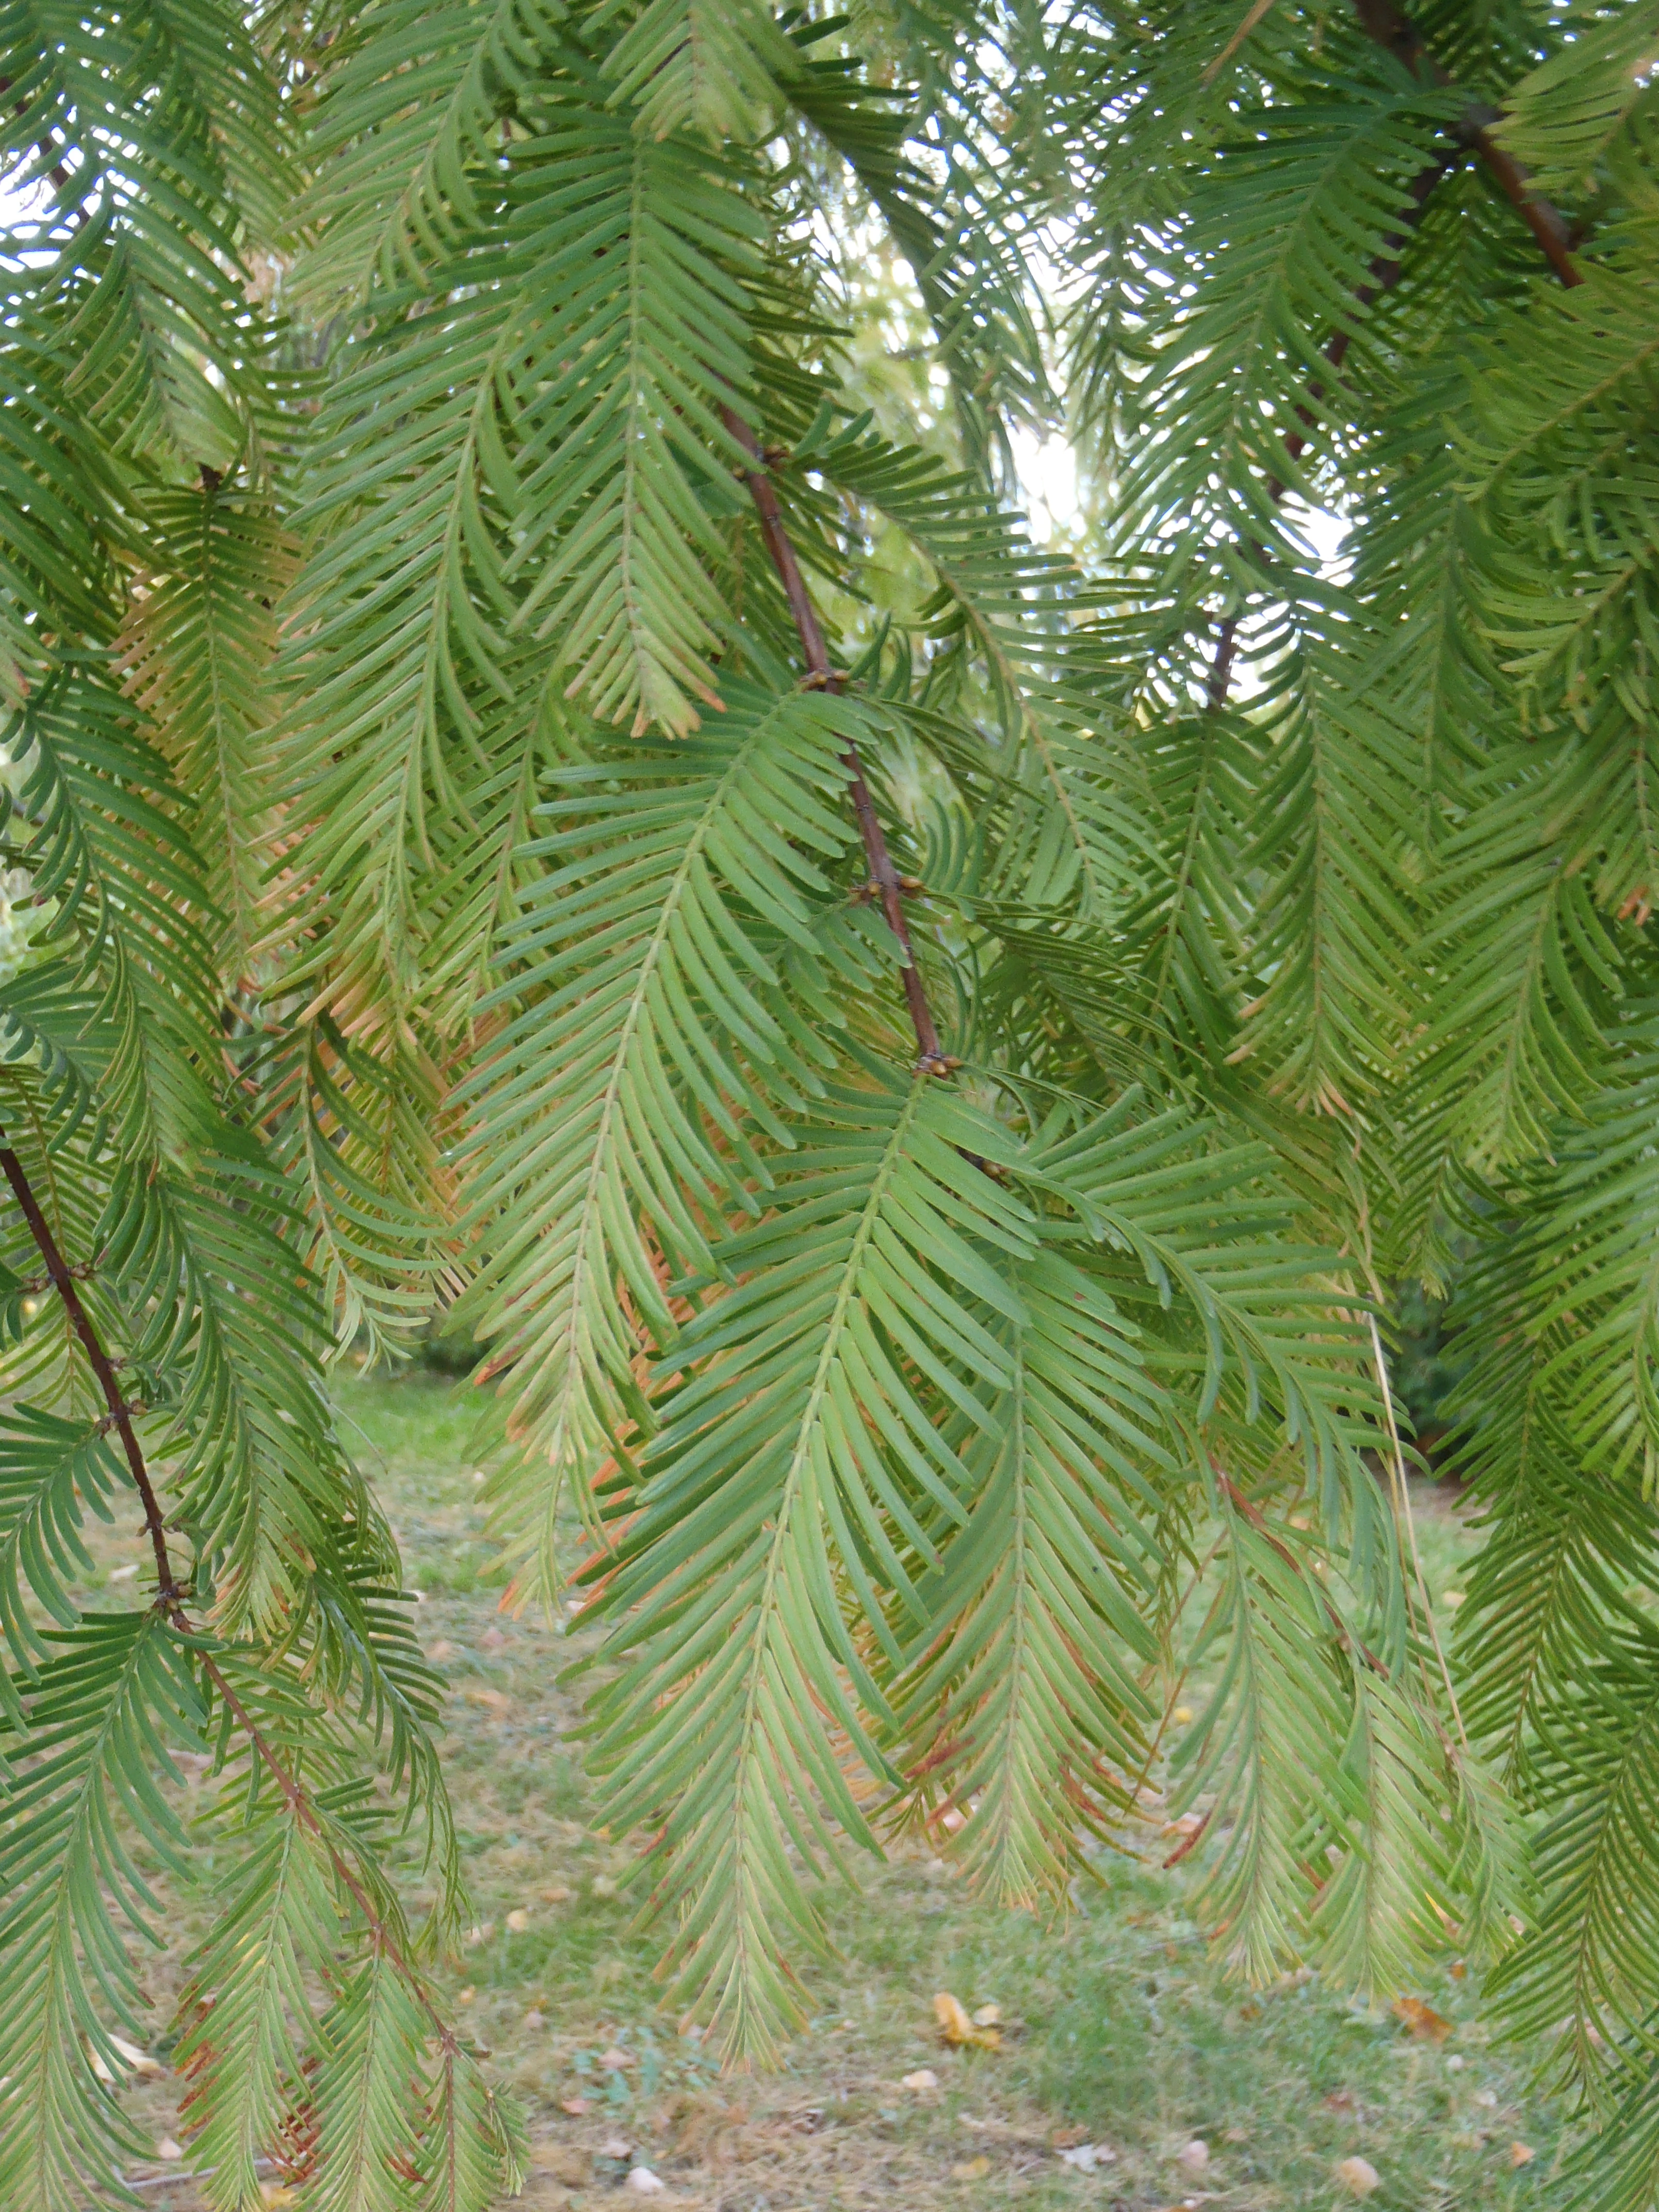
(170, 1593)
(883, 874)
(1388, 27)
(1395, 33)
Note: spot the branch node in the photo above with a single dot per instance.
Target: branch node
(118, 1416)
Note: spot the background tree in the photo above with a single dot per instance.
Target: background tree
(544, 778)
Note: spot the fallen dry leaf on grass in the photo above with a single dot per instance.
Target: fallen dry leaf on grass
(1422, 2020)
(273, 2193)
(135, 2061)
(1521, 2154)
(615, 2059)
(1358, 2176)
(957, 2029)
(971, 2169)
(1006, 2131)
(556, 1894)
(1085, 2157)
(923, 2078)
(1194, 2155)
(518, 1920)
(575, 2107)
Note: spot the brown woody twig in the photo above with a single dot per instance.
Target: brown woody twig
(888, 884)
(169, 1596)
(1389, 28)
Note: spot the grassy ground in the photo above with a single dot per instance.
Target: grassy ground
(1132, 2041)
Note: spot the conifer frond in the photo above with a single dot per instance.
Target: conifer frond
(799, 1455)
(649, 337)
(412, 110)
(1030, 1708)
(699, 66)
(195, 656)
(665, 957)
(116, 1691)
(1566, 117)
(1277, 1719)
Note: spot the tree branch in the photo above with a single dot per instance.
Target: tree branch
(1389, 28)
(170, 1598)
(883, 874)
(119, 1416)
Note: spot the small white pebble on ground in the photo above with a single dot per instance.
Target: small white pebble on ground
(644, 2183)
(614, 2146)
(1358, 2176)
(518, 1920)
(1453, 2064)
(167, 2150)
(1195, 2156)
(923, 2078)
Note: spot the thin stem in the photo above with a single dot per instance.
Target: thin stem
(120, 1413)
(883, 874)
(1221, 668)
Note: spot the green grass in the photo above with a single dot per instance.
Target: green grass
(1126, 2028)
